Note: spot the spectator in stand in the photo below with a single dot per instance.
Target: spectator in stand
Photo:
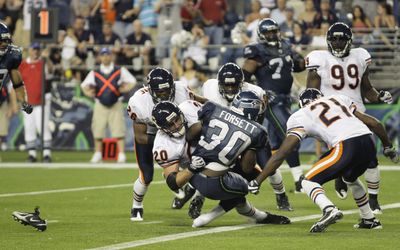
(254, 15)
(252, 27)
(188, 72)
(84, 37)
(299, 39)
(278, 14)
(286, 26)
(385, 24)
(307, 16)
(31, 71)
(324, 15)
(108, 37)
(197, 49)
(319, 39)
(8, 107)
(148, 17)
(127, 11)
(109, 13)
(64, 13)
(188, 14)
(5, 16)
(212, 13)
(360, 24)
(139, 55)
(107, 84)
(384, 17)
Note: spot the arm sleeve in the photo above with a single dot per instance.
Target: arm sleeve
(314, 61)
(295, 127)
(364, 57)
(134, 109)
(126, 77)
(206, 110)
(250, 52)
(16, 60)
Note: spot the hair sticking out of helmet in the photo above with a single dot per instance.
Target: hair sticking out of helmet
(230, 80)
(5, 38)
(339, 39)
(248, 105)
(309, 95)
(268, 32)
(169, 118)
(161, 85)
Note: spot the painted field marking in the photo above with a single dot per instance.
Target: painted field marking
(178, 236)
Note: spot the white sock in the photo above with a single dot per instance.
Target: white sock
(372, 177)
(296, 172)
(32, 152)
(139, 190)
(317, 194)
(276, 182)
(361, 199)
(248, 210)
(206, 218)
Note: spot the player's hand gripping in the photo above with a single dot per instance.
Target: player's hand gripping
(197, 164)
(26, 107)
(391, 153)
(254, 187)
(385, 97)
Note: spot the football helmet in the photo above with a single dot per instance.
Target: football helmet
(230, 79)
(247, 104)
(169, 118)
(268, 32)
(5, 38)
(309, 95)
(339, 39)
(161, 85)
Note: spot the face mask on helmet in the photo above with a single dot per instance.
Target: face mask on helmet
(5, 41)
(230, 80)
(248, 105)
(268, 32)
(161, 85)
(309, 95)
(168, 117)
(339, 39)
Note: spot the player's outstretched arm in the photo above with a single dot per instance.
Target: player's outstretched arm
(193, 133)
(375, 126)
(20, 91)
(371, 93)
(313, 79)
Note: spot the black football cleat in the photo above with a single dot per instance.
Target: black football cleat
(369, 224)
(137, 214)
(31, 219)
(31, 159)
(374, 204)
(274, 219)
(178, 203)
(282, 202)
(195, 206)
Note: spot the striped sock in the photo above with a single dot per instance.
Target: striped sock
(361, 199)
(139, 190)
(276, 182)
(248, 210)
(317, 194)
(372, 177)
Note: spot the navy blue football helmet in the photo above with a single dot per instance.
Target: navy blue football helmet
(5, 38)
(161, 85)
(309, 95)
(247, 104)
(169, 118)
(339, 39)
(230, 80)
(268, 32)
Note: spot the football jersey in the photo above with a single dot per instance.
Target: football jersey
(341, 75)
(275, 72)
(329, 118)
(225, 135)
(211, 92)
(10, 60)
(168, 150)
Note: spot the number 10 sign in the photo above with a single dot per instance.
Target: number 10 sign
(44, 25)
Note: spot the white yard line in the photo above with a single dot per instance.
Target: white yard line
(178, 236)
(74, 189)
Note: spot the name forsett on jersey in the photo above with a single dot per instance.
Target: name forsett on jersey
(237, 121)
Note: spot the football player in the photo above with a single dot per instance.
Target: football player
(336, 121)
(229, 82)
(160, 86)
(171, 150)
(10, 59)
(228, 139)
(344, 70)
(272, 61)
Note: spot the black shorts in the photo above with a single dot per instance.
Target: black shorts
(349, 158)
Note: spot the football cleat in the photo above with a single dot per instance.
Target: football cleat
(374, 204)
(282, 202)
(369, 224)
(274, 219)
(31, 158)
(341, 188)
(137, 214)
(195, 206)
(31, 219)
(297, 187)
(327, 219)
(47, 159)
(178, 203)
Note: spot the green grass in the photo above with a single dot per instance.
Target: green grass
(95, 218)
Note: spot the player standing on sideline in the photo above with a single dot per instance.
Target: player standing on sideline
(160, 86)
(230, 82)
(272, 61)
(343, 70)
(10, 59)
(337, 122)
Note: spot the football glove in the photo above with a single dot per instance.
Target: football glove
(254, 187)
(26, 107)
(391, 153)
(197, 164)
(385, 97)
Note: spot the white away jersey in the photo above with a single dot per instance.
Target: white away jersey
(341, 75)
(141, 104)
(329, 118)
(211, 92)
(169, 150)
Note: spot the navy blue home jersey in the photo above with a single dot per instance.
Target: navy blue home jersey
(276, 66)
(9, 61)
(225, 135)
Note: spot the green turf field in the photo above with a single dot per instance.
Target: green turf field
(97, 215)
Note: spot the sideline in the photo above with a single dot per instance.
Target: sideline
(178, 236)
